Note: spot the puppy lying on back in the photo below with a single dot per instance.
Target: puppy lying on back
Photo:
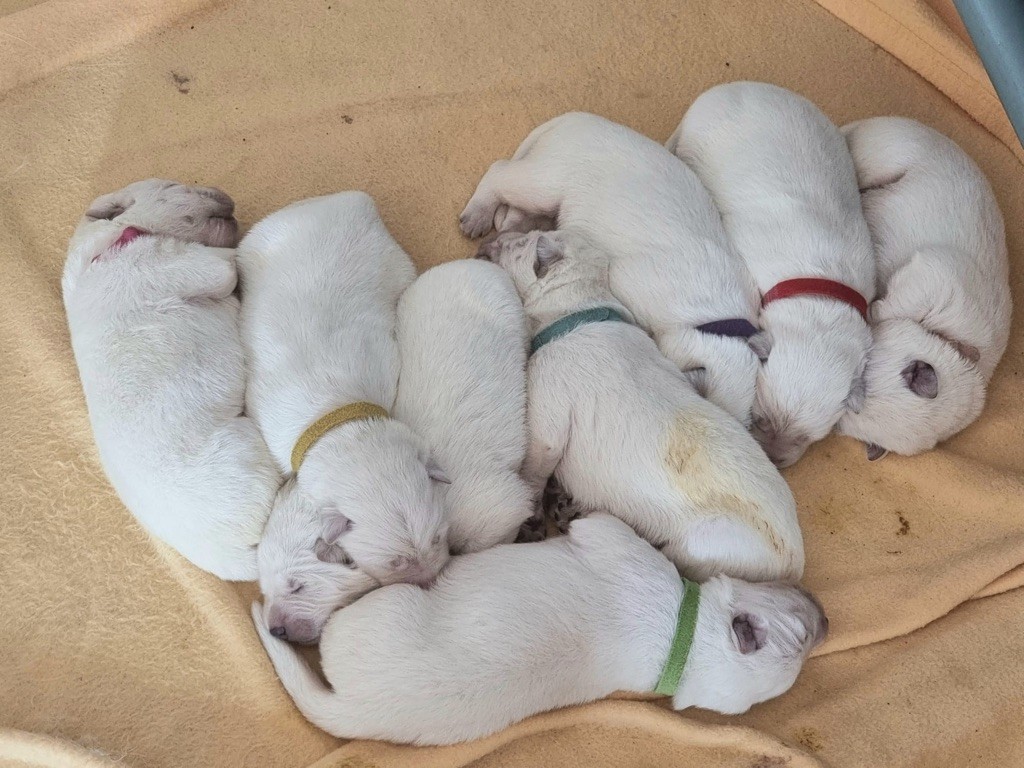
(148, 289)
(462, 338)
(784, 182)
(486, 646)
(671, 264)
(942, 318)
(623, 431)
(321, 281)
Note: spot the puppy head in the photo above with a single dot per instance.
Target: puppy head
(188, 214)
(920, 389)
(196, 214)
(750, 644)
(300, 589)
(808, 381)
(539, 262)
(379, 504)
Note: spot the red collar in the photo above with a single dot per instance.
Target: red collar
(816, 286)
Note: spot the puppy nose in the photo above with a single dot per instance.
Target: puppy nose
(279, 632)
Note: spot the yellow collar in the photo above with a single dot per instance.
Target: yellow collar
(337, 417)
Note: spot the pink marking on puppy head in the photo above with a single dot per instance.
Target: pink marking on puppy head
(129, 234)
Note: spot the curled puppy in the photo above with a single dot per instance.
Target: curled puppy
(942, 318)
(462, 336)
(321, 281)
(148, 289)
(624, 432)
(784, 182)
(486, 646)
(672, 265)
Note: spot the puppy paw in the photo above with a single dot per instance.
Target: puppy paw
(477, 220)
(534, 529)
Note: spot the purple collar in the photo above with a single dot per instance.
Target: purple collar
(734, 326)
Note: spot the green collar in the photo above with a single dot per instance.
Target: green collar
(570, 323)
(681, 642)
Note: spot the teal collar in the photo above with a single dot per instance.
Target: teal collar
(570, 323)
(681, 641)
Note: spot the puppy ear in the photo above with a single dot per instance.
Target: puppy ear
(921, 379)
(332, 553)
(549, 253)
(761, 344)
(436, 473)
(875, 452)
(749, 632)
(858, 392)
(109, 206)
(333, 524)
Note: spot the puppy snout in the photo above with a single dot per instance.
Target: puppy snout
(279, 632)
(224, 206)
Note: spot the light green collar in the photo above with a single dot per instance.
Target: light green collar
(570, 323)
(668, 683)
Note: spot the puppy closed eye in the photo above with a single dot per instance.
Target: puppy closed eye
(295, 587)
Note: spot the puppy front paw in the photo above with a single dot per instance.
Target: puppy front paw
(477, 219)
(535, 528)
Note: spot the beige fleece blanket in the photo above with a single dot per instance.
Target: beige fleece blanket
(115, 651)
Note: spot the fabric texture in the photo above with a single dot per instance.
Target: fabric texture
(116, 651)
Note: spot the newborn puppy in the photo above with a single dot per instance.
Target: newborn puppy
(624, 432)
(783, 179)
(487, 645)
(671, 263)
(154, 326)
(942, 318)
(462, 336)
(321, 281)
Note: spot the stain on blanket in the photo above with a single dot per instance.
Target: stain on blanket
(808, 738)
(181, 82)
(696, 475)
(767, 761)
(904, 528)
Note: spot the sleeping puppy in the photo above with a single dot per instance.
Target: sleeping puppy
(486, 646)
(321, 281)
(672, 265)
(462, 337)
(624, 432)
(942, 318)
(784, 182)
(148, 289)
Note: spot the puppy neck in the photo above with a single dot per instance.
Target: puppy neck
(563, 294)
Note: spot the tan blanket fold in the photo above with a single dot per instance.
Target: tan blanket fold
(113, 643)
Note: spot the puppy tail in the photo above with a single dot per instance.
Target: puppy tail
(318, 703)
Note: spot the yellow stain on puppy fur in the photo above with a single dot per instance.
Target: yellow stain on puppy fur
(706, 485)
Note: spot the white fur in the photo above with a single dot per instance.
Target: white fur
(784, 182)
(462, 335)
(321, 281)
(523, 628)
(624, 432)
(154, 327)
(944, 296)
(671, 265)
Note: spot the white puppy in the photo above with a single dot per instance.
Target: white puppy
(148, 289)
(672, 265)
(524, 628)
(321, 281)
(942, 318)
(462, 336)
(624, 432)
(784, 182)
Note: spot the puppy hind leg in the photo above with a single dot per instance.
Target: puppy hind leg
(521, 184)
(722, 545)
